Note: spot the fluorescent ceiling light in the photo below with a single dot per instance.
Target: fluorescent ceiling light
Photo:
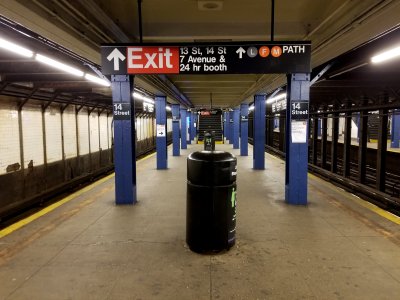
(15, 48)
(276, 98)
(97, 80)
(168, 108)
(251, 107)
(58, 65)
(392, 53)
(143, 98)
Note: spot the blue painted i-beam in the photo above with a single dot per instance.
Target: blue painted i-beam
(259, 133)
(189, 128)
(395, 134)
(235, 128)
(230, 127)
(124, 139)
(193, 131)
(298, 95)
(226, 122)
(175, 130)
(161, 130)
(183, 128)
(244, 129)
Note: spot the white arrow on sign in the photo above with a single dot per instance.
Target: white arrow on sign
(240, 51)
(116, 55)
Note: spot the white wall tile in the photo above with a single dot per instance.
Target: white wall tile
(103, 132)
(94, 131)
(9, 136)
(53, 134)
(32, 135)
(69, 123)
(83, 132)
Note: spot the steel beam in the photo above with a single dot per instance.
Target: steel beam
(324, 136)
(175, 130)
(314, 158)
(259, 133)
(236, 128)
(244, 129)
(347, 145)
(296, 142)
(124, 141)
(183, 128)
(161, 130)
(362, 146)
(334, 143)
(395, 131)
(381, 153)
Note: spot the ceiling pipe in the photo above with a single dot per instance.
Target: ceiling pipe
(272, 19)
(139, 2)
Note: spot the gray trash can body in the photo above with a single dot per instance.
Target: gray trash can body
(211, 201)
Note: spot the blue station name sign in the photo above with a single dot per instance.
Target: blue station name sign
(234, 58)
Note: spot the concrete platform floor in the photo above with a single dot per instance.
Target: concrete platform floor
(89, 248)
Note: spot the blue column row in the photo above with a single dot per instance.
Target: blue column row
(296, 140)
(161, 132)
(235, 128)
(124, 139)
(230, 127)
(244, 129)
(395, 133)
(226, 122)
(183, 129)
(175, 130)
(193, 118)
(259, 133)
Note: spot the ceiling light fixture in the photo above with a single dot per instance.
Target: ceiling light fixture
(276, 98)
(15, 48)
(251, 108)
(168, 108)
(392, 53)
(58, 65)
(142, 97)
(209, 5)
(97, 80)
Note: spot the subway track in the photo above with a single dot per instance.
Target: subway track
(388, 200)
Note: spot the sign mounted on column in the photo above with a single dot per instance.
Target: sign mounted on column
(227, 58)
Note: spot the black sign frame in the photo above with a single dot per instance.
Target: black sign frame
(220, 58)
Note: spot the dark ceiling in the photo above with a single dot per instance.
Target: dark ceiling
(350, 80)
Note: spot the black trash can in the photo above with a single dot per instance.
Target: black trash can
(211, 201)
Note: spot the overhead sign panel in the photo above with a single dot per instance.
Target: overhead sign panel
(238, 58)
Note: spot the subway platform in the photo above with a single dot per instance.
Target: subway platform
(336, 247)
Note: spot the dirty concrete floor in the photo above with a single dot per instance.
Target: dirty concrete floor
(88, 248)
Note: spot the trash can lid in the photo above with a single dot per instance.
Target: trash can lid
(212, 156)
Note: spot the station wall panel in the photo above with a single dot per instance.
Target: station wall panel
(32, 134)
(103, 131)
(9, 137)
(83, 131)
(53, 134)
(69, 125)
(94, 132)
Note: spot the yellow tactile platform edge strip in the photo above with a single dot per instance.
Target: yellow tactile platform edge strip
(47, 209)
(368, 205)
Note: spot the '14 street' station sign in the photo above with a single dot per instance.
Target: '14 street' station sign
(238, 58)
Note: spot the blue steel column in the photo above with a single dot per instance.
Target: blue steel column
(230, 127)
(161, 126)
(296, 153)
(124, 142)
(183, 129)
(189, 129)
(193, 121)
(244, 129)
(395, 129)
(236, 127)
(175, 130)
(226, 122)
(259, 133)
